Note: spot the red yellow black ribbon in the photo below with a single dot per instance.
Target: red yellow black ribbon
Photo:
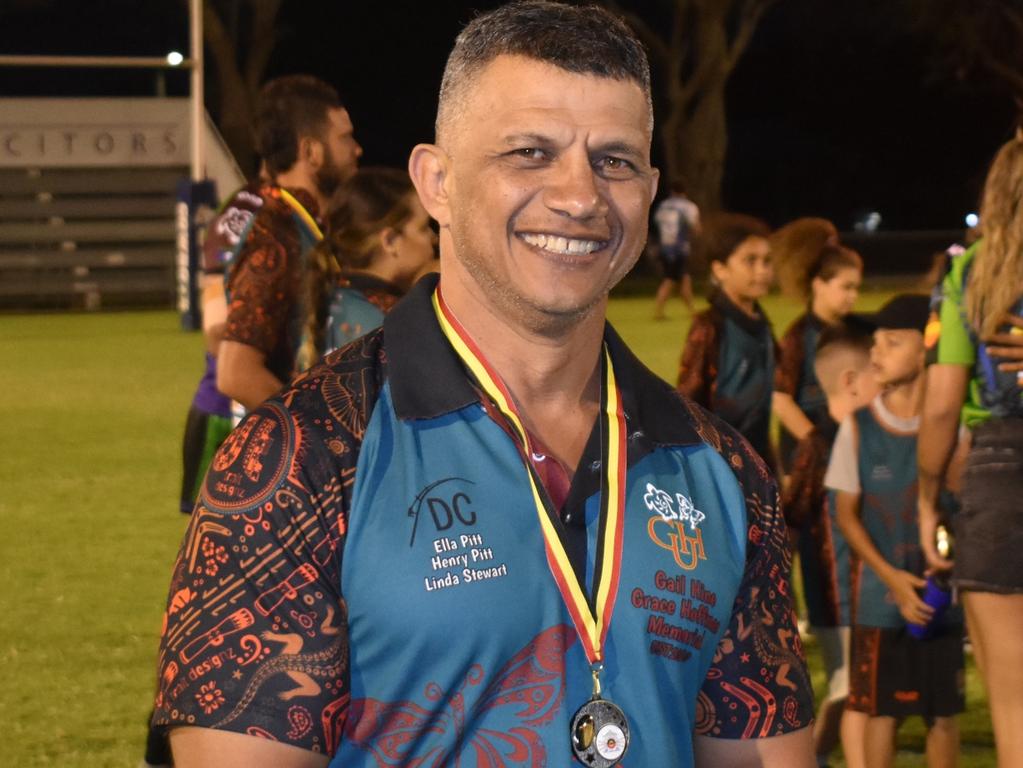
(303, 214)
(591, 615)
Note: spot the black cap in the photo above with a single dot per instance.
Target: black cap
(905, 312)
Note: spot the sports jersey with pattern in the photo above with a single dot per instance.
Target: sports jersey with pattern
(365, 574)
(264, 280)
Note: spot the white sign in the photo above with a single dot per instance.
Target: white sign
(93, 132)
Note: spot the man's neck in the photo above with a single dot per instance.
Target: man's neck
(905, 399)
(553, 378)
(297, 178)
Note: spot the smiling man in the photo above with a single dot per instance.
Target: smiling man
(486, 535)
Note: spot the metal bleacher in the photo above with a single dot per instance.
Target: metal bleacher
(86, 237)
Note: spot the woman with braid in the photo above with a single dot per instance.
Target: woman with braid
(380, 241)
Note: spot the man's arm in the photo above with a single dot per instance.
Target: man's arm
(791, 750)
(243, 376)
(204, 747)
(939, 424)
(903, 584)
(214, 311)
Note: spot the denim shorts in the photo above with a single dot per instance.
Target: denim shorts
(989, 527)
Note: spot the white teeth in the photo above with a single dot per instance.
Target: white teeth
(565, 245)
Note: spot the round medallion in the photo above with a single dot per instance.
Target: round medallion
(600, 734)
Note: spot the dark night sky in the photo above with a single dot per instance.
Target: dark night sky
(832, 112)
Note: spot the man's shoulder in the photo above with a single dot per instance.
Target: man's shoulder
(749, 469)
(313, 428)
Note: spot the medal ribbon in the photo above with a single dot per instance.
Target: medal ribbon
(302, 213)
(591, 618)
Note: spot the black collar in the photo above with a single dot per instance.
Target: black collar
(428, 379)
(754, 326)
(368, 283)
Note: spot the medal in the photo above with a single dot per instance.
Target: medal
(599, 732)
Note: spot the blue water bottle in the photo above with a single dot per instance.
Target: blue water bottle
(937, 591)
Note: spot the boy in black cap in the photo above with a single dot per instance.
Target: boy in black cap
(873, 472)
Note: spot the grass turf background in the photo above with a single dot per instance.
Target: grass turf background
(91, 422)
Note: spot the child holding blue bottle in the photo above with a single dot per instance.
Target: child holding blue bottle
(873, 471)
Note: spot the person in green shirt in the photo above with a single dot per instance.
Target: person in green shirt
(977, 380)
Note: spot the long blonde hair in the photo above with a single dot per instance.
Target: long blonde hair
(996, 275)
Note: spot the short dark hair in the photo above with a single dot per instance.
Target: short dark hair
(728, 231)
(580, 39)
(291, 108)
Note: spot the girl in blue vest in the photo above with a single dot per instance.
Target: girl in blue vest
(826, 277)
(727, 363)
(379, 243)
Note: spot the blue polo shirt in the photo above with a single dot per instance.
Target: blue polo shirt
(380, 590)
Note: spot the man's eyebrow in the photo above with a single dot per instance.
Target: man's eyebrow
(619, 148)
(516, 139)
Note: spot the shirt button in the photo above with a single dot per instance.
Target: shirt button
(567, 517)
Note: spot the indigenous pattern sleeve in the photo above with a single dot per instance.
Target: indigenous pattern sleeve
(805, 491)
(758, 684)
(791, 354)
(261, 282)
(254, 638)
(698, 369)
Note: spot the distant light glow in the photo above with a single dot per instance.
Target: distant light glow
(175, 59)
(868, 222)
(972, 220)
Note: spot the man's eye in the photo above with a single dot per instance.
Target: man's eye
(615, 167)
(529, 153)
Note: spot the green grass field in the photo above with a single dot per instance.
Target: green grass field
(92, 416)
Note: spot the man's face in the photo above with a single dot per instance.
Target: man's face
(549, 189)
(341, 152)
(897, 356)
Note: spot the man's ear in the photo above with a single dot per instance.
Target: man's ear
(311, 150)
(429, 167)
(655, 176)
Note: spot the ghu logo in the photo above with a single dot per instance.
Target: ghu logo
(443, 506)
(668, 523)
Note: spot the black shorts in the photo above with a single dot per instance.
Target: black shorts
(989, 527)
(892, 674)
(673, 262)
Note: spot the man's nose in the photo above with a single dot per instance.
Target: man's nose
(574, 189)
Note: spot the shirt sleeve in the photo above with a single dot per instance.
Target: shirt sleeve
(955, 344)
(844, 468)
(254, 637)
(259, 282)
(758, 684)
(697, 373)
(791, 352)
(803, 496)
